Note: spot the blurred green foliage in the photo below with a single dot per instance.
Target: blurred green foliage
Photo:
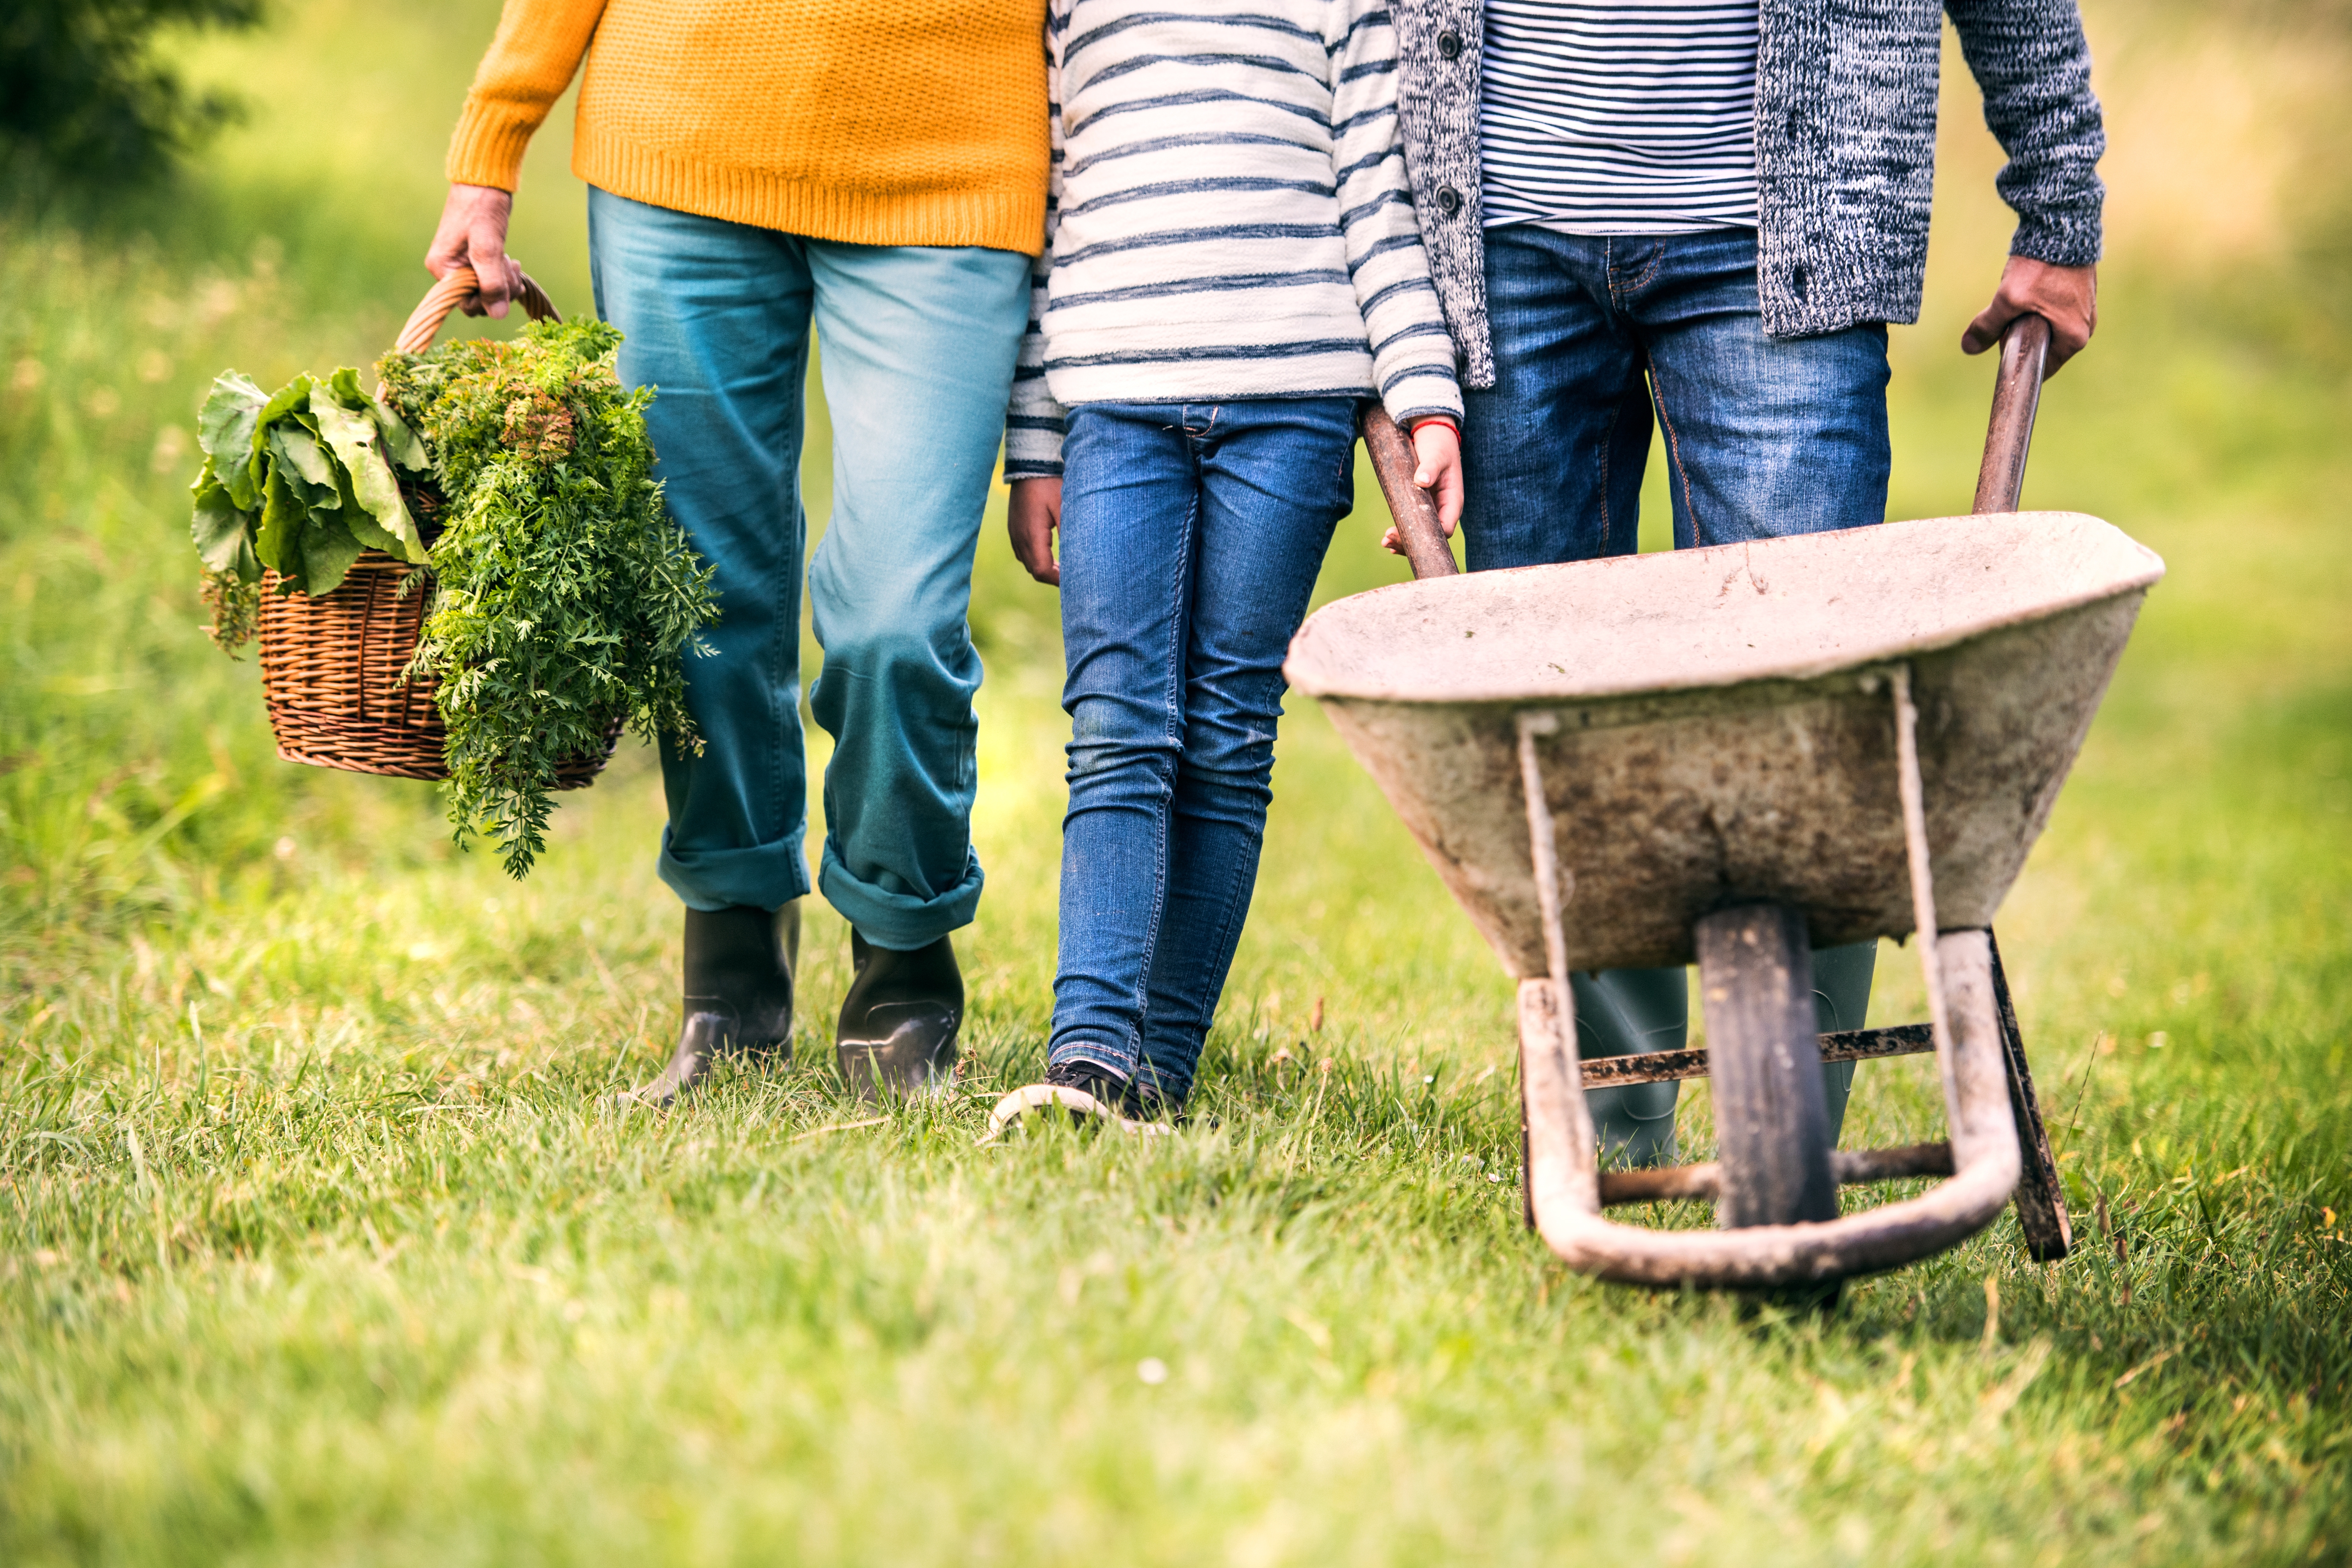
(85, 98)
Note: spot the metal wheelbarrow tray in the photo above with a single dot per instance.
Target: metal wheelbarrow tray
(1731, 755)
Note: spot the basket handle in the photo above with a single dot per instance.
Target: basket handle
(1415, 509)
(2016, 395)
(455, 290)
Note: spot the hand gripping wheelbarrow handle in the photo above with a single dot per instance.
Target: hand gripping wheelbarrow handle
(2000, 478)
(1414, 510)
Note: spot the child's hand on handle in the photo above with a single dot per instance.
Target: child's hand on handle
(1034, 514)
(1438, 447)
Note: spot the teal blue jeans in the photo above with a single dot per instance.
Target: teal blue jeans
(919, 343)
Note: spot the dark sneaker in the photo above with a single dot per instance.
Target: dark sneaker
(1088, 1094)
(1106, 1087)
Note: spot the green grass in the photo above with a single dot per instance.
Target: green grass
(319, 1241)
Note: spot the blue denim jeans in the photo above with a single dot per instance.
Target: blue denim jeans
(919, 350)
(1191, 534)
(1595, 337)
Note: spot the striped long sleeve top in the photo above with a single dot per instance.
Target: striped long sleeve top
(1228, 217)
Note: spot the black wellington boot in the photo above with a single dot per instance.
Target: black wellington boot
(739, 994)
(898, 1023)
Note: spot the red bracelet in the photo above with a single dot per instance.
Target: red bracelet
(1445, 419)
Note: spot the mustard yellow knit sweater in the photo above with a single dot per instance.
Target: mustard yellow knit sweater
(875, 121)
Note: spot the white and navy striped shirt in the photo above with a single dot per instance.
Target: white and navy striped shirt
(1619, 116)
(1229, 218)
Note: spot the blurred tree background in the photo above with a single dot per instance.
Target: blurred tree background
(88, 98)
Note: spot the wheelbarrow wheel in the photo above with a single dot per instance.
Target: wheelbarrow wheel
(1765, 1065)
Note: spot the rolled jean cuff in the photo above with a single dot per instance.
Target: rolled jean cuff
(769, 875)
(900, 921)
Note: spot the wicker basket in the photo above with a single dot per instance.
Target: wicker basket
(331, 674)
(330, 665)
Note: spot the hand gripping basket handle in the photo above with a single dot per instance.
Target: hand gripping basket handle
(454, 290)
(1415, 509)
(2016, 395)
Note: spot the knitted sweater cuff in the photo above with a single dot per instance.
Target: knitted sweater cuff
(488, 146)
(1033, 441)
(2062, 237)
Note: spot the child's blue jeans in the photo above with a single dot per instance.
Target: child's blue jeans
(1763, 438)
(1191, 534)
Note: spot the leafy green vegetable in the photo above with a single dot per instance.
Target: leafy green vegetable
(564, 593)
(226, 425)
(380, 518)
(220, 532)
(298, 482)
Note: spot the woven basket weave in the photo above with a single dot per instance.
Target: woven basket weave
(330, 665)
(331, 674)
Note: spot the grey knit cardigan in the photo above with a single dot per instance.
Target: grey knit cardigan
(1845, 150)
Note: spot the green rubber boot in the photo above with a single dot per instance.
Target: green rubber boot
(1632, 1012)
(738, 995)
(897, 1037)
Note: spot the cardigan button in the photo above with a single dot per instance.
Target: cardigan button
(1449, 44)
(1449, 201)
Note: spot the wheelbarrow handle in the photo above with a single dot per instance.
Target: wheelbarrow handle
(2000, 478)
(2016, 394)
(1415, 509)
